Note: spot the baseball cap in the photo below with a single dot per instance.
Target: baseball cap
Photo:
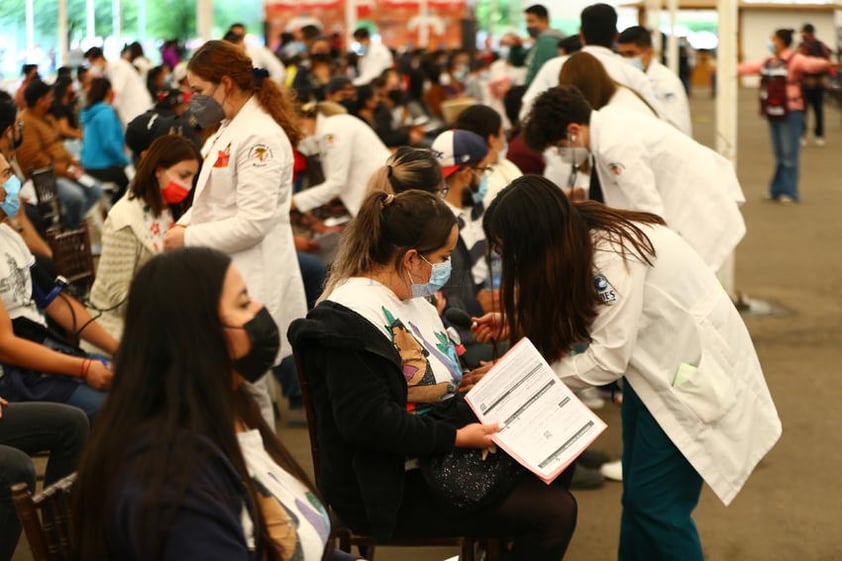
(143, 129)
(179, 73)
(456, 148)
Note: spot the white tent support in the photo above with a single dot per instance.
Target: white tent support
(117, 19)
(726, 104)
(672, 40)
(30, 27)
(90, 19)
(63, 46)
(204, 19)
(653, 24)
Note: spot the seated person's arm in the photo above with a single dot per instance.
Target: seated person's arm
(75, 318)
(21, 352)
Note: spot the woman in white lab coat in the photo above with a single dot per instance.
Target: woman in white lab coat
(242, 199)
(350, 152)
(695, 403)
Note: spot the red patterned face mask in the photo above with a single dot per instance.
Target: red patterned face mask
(175, 192)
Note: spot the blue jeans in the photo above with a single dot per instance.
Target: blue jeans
(786, 144)
(660, 491)
(87, 399)
(28, 428)
(76, 200)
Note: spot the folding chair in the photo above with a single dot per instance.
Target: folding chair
(46, 519)
(73, 258)
(49, 207)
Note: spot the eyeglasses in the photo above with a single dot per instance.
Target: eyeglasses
(445, 188)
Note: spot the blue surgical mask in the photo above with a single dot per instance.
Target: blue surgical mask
(482, 189)
(439, 276)
(771, 46)
(11, 204)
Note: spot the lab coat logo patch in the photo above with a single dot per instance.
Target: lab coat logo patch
(260, 155)
(616, 168)
(604, 289)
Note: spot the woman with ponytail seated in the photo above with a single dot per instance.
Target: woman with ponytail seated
(242, 199)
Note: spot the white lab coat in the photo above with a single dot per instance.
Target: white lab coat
(558, 171)
(675, 316)
(377, 58)
(350, 152)
(261, 57)
(241, 207)
(673, 98)
(131, 98)
(618, 68)
(645, 164)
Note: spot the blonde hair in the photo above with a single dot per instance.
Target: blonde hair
(386, 228)
(408, 168)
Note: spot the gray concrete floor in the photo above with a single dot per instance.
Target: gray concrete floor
(791, 507)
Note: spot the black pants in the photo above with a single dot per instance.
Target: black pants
(538, 518)
(814, 97)
(28, 428)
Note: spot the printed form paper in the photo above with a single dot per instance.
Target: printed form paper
(545, 426)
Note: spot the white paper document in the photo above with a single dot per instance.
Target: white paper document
(545, 426)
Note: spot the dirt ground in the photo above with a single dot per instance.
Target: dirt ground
(791, 507)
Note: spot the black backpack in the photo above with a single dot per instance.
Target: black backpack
(774, 78)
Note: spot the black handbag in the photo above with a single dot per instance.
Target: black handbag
(469, 478)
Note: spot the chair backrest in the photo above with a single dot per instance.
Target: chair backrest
(451, 108)
(309, 410)
(46, 519)
(73, 258)
(46, 189)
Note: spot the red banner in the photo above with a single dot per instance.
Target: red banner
(401, 24)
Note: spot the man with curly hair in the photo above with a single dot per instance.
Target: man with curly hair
(644, 164)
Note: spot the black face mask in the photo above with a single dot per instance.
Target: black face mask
(265, 341)
(350, 105)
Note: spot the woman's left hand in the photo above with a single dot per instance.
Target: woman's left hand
(473, 377)
(174, 239)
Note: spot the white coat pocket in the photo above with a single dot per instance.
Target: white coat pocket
(707, 389)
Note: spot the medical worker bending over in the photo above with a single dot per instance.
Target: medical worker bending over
(242, 198)
(695, 402)
(645, 164)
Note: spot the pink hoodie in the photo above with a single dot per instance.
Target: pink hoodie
(798, 66)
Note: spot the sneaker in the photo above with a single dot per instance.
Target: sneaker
(612, 470)
(803, 141)
(819, 141)
(586, 478)
(785, 199)
(591, 398)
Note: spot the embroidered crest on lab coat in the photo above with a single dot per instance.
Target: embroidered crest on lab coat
(260, 155)
(606, 292)
(616, 168)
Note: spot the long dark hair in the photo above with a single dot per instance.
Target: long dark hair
(216, 59)
(547, 255)
(164, 152)
(98, 91)
(172, 394)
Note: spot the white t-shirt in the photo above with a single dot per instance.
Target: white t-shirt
(296, 520)
(15, 278)
(428, 357)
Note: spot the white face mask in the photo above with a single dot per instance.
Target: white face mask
(571, 154)
(637, 62)
(309, 146)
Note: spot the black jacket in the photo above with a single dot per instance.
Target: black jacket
(364, 431)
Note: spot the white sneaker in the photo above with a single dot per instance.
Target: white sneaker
(785, 199)
(591, 398)
(612, 470)
(819, 141)
(803, 141)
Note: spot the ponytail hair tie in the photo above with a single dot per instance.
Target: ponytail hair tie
(260, 74)
(388, 200)
(389, 170)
